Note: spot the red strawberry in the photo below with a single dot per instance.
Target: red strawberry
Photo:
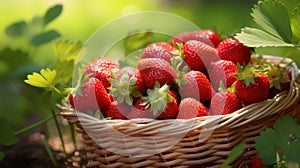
(171, 110)
(91, 96)
(140, 109)
(156, 70)
(256, 162)
(197, 86)
(232, 50)
(280, 79)
(126, 85)
(224, 71)
(117, 111)
(191, 108)
(208, 37)
(224, 103)
(101, 68)
(251, 86)
(198, 55)
(160, 50)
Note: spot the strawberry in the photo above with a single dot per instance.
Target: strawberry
(171, 110)
(252, 86)
(222, 71)
(117, 110)
(208, 37)
(160, 50)
(198, 55)
(126, 85)
(156, 70)
(101, 68)
(232, 50)
(280, 79)
(191, 108)
(256, 162)
(92, 96)
(197, 86)
(140, 109)
(224, 103)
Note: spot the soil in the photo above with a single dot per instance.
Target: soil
(30, 152)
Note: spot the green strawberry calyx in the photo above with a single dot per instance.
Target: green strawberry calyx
(157, 98)
(248, 73)
(124, 89)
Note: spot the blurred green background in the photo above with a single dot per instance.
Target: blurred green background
(79, 19)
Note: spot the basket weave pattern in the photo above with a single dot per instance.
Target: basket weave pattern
(204, 141)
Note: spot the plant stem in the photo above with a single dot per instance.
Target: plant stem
(73, 135)
(30, 127)
(59, 132)
(49, 152)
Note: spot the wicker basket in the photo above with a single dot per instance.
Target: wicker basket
(203, 141)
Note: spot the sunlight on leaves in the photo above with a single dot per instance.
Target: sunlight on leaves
(295, 21)
(44, 79)
(67, 50)
(137, 40)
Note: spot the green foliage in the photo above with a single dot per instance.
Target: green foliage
(44, 79)
(281, 143)
(44, 37)
(34, 31)
(8, 137)
(52, 13)
(234, 154)
(137, 40)
(274, 29)
(1, 155)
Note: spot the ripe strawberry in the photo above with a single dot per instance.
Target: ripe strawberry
(252, 86)
(197, 86)
(256, 162)
(101, 68)
(126, 85)
(92, 96)
(198, 55)
(140, 109)
(280, 79)
(208, 37)
(156, 70)
(232, 50)
(171, 110)
(160, 50)
(117, 111)
(224, 103)
(222, 71)
(191, 108)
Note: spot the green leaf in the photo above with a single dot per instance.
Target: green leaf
(295, 21)
(276, 23)
(282, 140)
(266, 146)
(16, 29)
(253, 37)
(1, 155)
(67, 50)
(52, 13)
(137, 40)
(290, 5)
(233, 155)
(44, 37)
(44, 79)
(7, 132)
(64, 70)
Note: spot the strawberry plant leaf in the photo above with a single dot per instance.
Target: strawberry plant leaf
(44, 79)
(295, 19)
(137, 40)
(16, 29)
(282, 141)
(67, 50)
(276, 23)
(253, 37)
(44, 37)
(7, 132)
(52, 13)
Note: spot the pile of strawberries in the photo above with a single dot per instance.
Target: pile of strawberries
(193, 74)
